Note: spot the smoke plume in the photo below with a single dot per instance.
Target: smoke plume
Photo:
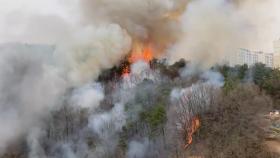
(91, 50)
(138, 149)
(97, 34)
(143, 20)
(214, 30)
(29, 87)
(88, 96)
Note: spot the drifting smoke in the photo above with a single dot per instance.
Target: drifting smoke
(88, 96)
(35, 148)
(113, 120)
(198, 92)
(214, 30)
(144, 20)
(179, 25)
(188, 103)
(33, 83)
(108, 27)
(106, 126)
(139, 67)
(208, 79)
(29, 88)
(213, 78)
(91, 51)
(138, 149)
(140, 71)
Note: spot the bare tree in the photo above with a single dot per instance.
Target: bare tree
(193, 101)
(183, 116)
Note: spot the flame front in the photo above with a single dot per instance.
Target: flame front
(141, 51)
(195, 124)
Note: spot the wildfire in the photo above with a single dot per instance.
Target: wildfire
(195, 124)
(140, 52)
(125, 71)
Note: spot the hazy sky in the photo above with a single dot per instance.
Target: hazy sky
(18, 18)
(48, 21)
(44, 7)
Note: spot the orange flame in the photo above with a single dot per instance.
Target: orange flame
(195, 124)
(145, 54)
(140, 52)
(125, 71)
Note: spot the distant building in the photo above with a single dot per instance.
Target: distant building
(276, 46)
(276, 60)
(245, 56)
(269, 60)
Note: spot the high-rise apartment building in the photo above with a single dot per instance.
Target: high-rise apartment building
(276, 60)
(245, 56)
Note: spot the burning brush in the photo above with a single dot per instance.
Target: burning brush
(141, 52)
(191, 102)
(192, 128)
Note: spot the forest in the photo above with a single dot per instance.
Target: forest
(160, 111)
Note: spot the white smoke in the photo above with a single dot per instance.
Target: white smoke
(208, 80)
(214, 30)
(106, 126)
(140, 71)
(33, 83)
(88, 96)
(35, 148)
(91, 50)
(112, 121)
(138, 67)
(213, 78)
(29, 87)
(68, 152)
(137, 149)
(144, 20)
(175, 94)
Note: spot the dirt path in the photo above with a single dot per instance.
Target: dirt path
(273, 146)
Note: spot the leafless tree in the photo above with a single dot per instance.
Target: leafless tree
(194, 100)
(184, 113)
